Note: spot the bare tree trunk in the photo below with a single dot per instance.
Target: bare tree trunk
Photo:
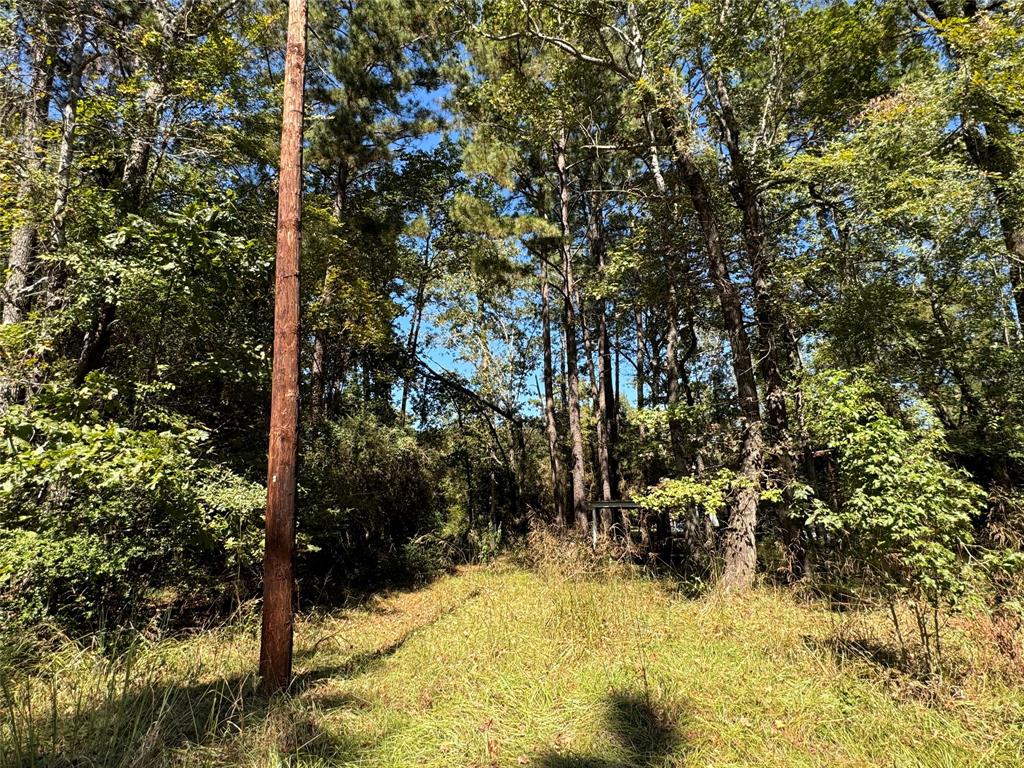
(773, 358)
(319, 373)
(675, 425)
(279, 554)
(641, 346)
(739, 543)
(608, 402)
(65, 156)
(412, 343)
(601, 374)
(740, 548)
(607, 389)
(600, 447)
(577, 468)
(17, 289)
(551, 426)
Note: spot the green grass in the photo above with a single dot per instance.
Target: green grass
(502, 666)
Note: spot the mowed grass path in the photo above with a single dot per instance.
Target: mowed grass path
(501, 666)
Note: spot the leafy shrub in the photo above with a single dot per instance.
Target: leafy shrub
(678, 495)
(430, 555)
(896, 510)
(97, 518)
(367, 489)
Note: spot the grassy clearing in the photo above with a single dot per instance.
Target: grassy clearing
(502, 666)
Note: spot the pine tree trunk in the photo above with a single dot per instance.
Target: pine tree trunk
(605, 371)
(600, 447)
(550, 424)
(601, 373)
(608, 401)
(641, 346)
(577, 468)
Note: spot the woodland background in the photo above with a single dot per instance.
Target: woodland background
(758, 266)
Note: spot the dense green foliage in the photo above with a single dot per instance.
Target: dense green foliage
(901, 513)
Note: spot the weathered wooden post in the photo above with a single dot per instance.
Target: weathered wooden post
(283, 454)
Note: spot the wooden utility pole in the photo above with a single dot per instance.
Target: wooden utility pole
(279, 555)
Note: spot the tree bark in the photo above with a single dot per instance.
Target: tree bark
(282, 459)
(577, 469)
(604, 397)
(550, 424)
(319, 373)
(609, 401)
(641, 346)
(17, 289)
(65, 156)
(772, 328)
(740, 550)
(675, 425)
(739, 545)
(419, 306)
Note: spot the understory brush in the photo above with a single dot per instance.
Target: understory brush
(111, 511)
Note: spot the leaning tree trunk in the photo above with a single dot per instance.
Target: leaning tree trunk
(134, 180)
(740, 548)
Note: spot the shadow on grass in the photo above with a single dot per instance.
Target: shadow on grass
(355, 665)
(131, 717)
(894, 664)
(117, 723)
(121, 720)
(646, 733)
(844, 649)
(366, 661)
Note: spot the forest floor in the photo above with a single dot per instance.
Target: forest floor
(508, 666)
